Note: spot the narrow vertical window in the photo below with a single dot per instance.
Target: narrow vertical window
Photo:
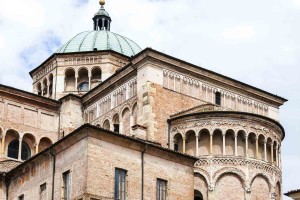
(66, 185)
(161, 189)
(176, 147)
(43, 190)
(120, 184)
(218, 98)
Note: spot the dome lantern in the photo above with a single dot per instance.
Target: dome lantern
(102, 19)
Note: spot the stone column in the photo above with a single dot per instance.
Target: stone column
(235, 145)
(272, 154)
(224, 143)
(211, 144)
(90, 81)
(256, 147)
(276, 155)
(36, 148)
(76, 83)
(183, 145)
(20, 149)
(246, 142)
(131, 123)
(2, 146)
(265, 150)
(48, 91)
(197, 145)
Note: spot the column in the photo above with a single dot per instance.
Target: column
(224, 149)
(89, 81)
(265, 150)
(48, 86)
(211, 144)
(36, 148)
(246, 150)
(2, 147)
(256, 147)
(197, 145)
(272, 154)
(277, 164)
(131, 123)
(76, 83)
(235, 145)
(20, 149)
(183, 145)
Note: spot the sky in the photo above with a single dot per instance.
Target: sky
(256, 42)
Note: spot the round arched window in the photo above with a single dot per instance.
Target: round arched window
(26, 152)
(13, 150)
(84, 86)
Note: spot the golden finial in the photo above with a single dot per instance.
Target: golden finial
(102, 2)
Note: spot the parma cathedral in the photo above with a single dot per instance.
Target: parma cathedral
(108, 120)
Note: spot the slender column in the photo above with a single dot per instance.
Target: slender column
(36, 149)
(131, 123)
(90, 82)
(183, 145)
(20, 149)
(235, 146)
(2, 147)
(76, 83)
(265, 150)
(256, 147)
(197, 145)
(211, 145)
(224, 149)
(277, 163)
(272, 154)
(48, 91)
(246, 153)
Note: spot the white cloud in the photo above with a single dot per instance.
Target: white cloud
(239, 33)
(198, 31)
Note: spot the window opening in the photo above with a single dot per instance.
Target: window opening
(66, 185)
(218, 98)
(161, 189)
(120, 184)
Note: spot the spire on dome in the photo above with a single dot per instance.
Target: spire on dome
(102, 19)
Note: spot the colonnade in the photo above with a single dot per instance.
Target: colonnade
(228, 143)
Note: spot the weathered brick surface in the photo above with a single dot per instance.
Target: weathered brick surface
(229, 187)
(260, 189)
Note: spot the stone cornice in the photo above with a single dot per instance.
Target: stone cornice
(184, 67)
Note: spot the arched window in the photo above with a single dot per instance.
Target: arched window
(83, 80)
(13, 149)
(96, 77)
(70, 80)
(198, 195)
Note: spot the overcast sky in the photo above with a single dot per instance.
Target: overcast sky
(256, 42)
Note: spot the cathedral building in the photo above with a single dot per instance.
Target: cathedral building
(109, 120)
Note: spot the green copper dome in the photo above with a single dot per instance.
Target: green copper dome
(100, 40)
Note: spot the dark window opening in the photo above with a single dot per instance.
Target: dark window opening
(161, 189)
(83, 86)
(26, 152)
(176, 147)
(13, 149)
(120, 184)
(117, 128)
(218, 98)
(66, 185)
(21, 197)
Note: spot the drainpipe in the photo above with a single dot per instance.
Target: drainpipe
(53, 172)
(169, 133)
(59, 113)
(143, 153)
